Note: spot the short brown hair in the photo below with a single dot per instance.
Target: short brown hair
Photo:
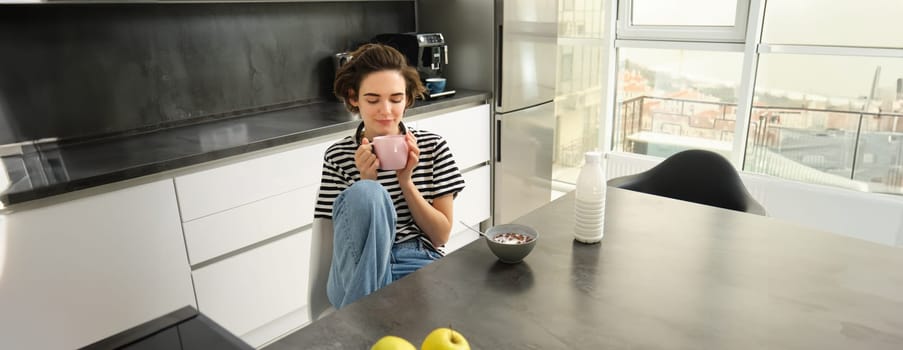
(370, 58)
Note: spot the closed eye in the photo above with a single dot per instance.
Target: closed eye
(373, 102)
(373, 98)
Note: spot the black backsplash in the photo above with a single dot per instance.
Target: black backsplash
(73, 71)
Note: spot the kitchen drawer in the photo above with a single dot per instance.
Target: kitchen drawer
(228, 230)
(471, 206)
(466, 131)
(214, 190)
(254, 288)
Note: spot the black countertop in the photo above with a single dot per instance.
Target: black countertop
(182, 329)
(42, 169)
(667, 275)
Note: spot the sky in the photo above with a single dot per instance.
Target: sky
(866, 23)
(683, 12)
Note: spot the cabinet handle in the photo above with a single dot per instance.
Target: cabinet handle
(498, 141)
(498, 68)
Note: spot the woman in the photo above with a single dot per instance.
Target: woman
(387, 223)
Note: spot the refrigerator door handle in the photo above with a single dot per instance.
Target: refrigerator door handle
(498, 66)
(498, 141)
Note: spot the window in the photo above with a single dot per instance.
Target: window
(813, 92)
(670, 100)
(679, 75)
(857, 23)
(684, 13)
(688, 20)
(828, 99)
(828, 119)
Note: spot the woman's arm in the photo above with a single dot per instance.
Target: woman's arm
(435, 220)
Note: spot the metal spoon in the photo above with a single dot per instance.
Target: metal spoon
(474, 230)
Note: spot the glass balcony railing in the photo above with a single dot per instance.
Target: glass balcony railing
(857, 150)
(860, 150)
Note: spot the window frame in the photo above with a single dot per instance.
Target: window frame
(752, 18)
(735, 33)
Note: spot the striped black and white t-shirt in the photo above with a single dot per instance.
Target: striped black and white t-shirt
(436, 175)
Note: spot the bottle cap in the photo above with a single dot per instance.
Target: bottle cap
(593, 157)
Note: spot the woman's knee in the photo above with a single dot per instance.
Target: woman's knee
(364, 196)
(366, 188)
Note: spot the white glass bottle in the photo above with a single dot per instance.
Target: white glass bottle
(589, 208)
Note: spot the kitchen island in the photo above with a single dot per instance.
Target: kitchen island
(667, 274)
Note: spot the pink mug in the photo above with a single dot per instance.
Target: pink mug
(392, 151)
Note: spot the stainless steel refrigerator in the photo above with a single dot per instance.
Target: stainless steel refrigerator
(508, 47)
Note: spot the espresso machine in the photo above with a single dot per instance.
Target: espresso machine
(427, 52)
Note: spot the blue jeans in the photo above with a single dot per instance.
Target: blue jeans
(364, 258)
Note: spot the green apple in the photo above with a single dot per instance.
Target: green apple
(391, 342)
(444, 339)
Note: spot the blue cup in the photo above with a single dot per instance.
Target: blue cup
(435, 85)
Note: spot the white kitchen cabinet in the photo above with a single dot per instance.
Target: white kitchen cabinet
(247, 292)
(78, 271)
(472, 207)
(247, 231)
(228, 186)
(466, 131)
(235, 228)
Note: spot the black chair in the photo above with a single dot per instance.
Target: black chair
(696, 176)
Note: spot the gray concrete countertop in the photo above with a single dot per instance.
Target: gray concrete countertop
(48, 169)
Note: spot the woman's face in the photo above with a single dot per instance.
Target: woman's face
(381, 101)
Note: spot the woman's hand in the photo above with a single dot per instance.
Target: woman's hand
(365, 160)
(413, 158)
